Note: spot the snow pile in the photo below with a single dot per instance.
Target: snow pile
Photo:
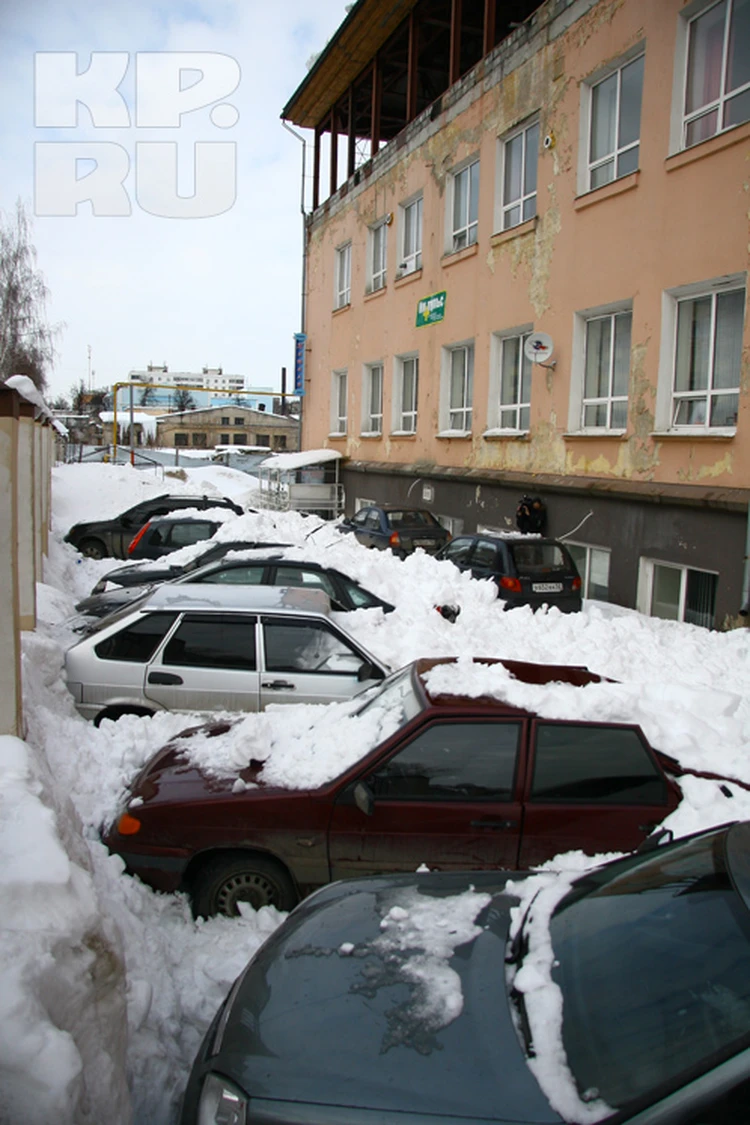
(81, 943)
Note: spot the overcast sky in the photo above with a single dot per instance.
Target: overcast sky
(141, 287)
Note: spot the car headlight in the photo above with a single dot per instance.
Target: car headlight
(221, 1103)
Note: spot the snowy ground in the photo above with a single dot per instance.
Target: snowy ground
(105, 987)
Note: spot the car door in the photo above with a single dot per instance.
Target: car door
(485, 562)
(306, 660)
(593, 787)
(366, 524)
(208, 663)
(458, 552)
(446, 797)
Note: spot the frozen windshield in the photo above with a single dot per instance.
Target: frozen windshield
(396, 692)
(653, 961)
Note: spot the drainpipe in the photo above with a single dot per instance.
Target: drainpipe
(303, 296)
(745, 609)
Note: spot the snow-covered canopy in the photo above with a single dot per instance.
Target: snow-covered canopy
(302, 460)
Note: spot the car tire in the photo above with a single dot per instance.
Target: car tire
(115, 713)
(93, 549)
(235, 877)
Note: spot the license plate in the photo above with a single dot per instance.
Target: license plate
(423, 542)
(547, 587)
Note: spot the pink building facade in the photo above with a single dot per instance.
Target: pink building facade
(585, 180)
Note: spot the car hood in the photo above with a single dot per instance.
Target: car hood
(99, 605)
(170, 776)
(142, 574)
(324, 1015)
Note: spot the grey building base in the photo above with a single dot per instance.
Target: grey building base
(688, 525)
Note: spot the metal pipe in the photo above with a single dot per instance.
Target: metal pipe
(303, 299)
(745, 609)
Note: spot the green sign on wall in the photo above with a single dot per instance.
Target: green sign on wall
(431, 309)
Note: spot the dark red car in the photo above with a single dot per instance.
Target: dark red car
(463, 784)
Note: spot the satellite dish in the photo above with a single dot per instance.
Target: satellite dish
(539, 347)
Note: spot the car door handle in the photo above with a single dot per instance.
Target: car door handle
(278, 685)
(496, 825)
(164, 678)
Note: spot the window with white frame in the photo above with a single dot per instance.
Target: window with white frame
(707, 359)
(465, 206)
(457, 388)
(405, 394)
(513, 383)
(377, 262)
(593, 567)
(677, 593)
(343, 293)
(372, 399)
(717, 70)
(411, 236)
(615, 123)
(520, 156)
(606, 371)
(338, 402)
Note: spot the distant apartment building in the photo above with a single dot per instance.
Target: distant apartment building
(209, 386)
(490, 178)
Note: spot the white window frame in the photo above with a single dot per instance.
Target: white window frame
(619, 151)
(456, 417)
(610, 399)
(372, 407)
(339, 410)
(464, 231)
(343, 284)
(681, 118)
(504, 219)
(377, 255)
(646, 586)
(361, 502)
(497, 408)
(666, 410)
(405, 412)
(590, 549)
(578, 369)
(410, 215)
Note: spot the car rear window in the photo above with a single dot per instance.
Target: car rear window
(138, 642)
(412, 519)
(539, 558)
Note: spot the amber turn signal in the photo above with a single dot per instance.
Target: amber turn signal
(127, 825)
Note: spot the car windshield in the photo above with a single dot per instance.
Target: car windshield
(412, 519)
(653, 960)
(537, 558)
(396, 691)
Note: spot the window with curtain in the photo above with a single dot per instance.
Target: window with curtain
(717, 79)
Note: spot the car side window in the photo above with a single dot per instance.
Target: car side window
(210, 640)
(458, 550)
(310, 579)
(359, 518)
(594, 764)
(360, 599)
(185, 534)
(138, 642)
(485, 554)
(297, 645)
(235, 576)
(372, 523)
(452, 762)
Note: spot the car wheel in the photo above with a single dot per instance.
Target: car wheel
(93, 549)
(115, 713)
(227, 880)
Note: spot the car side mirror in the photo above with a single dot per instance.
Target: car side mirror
(369, 671)
(363, 798)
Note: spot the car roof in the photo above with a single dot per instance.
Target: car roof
(207, 597)
(575, 674)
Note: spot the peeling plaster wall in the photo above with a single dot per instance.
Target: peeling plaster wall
(681, 219)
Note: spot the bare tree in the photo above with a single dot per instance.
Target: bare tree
(26, 339)
(148, 394)
(183, 400)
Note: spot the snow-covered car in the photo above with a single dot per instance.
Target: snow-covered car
(413, 774)
(217, 648)
(623, 996)
(397, 529)
(102, 538)
(527, 570)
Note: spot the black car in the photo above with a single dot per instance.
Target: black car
(267, 570)
(111, 538)
(402, 530)
(527, 570)
(163, 534)
(622, 996)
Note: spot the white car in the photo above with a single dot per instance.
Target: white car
(209, 648)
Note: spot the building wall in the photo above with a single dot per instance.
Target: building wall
(205, 429)
(679, 220)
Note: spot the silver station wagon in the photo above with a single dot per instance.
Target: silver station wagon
(209, 648)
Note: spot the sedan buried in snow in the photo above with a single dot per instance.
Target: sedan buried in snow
(417, 776)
